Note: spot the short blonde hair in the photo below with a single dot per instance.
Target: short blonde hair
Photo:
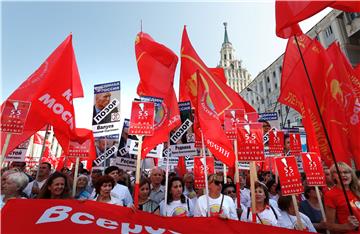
(354, 184)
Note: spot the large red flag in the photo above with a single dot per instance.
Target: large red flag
(50, 89)
(214, 135)
(156, 64)
(290, 13)
(83, 141)
(329, 94)
(348, 93)
(222, 95)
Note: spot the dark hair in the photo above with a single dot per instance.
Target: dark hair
(169, 195)
(307, 190)
(144, 181)
(102, 180)
(111, 169)
(45, 193)
(284, 203)
(263, 186)
(229, 177)
(228, 186)
(357, 173)
(270, 183)
(48, 164)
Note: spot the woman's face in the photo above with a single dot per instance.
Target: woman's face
(176, 190)
(57, 186)
(82, 182)
(105, 189)
(230, 191)
(273, 188)
(9, 187)
(259, 195)
(345, 176)
(144, 191)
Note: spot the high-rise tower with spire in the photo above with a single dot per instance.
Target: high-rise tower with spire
(237, 76)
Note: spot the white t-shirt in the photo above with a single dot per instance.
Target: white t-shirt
(113, 201)
(267, 216)
(245, 198)
(120, 192)
(289, 221)
(177, 209)
(27, 190)
(228, 207)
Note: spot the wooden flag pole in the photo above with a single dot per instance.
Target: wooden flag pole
(298, 218)
(236, 179)
(321, 206)
(137, 178)
(206, 176)
(42, 151)
(75, 176)
(224, 173)
(167, 175)
(6, 144)
(252, 190)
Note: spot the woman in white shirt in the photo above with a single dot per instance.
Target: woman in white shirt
(12, 183)
(288, 216)
(178, 205)
(265, 214)
(103, 188)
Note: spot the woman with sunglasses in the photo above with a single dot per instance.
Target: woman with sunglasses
(265, 214)
(220, 205)
(230, 190)
(178, 205)
(337, 212)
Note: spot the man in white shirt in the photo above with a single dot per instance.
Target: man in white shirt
(34, 187)
(219, 204)
(245, 198)
(119, 191)
(157, 193)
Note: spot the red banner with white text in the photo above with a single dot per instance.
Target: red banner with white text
(71, 216)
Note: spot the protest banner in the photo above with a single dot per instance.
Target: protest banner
(59, 216)
(106, 148)
(123, 148)
(185, 133)
(125, 163)
(250, 142)
(199, 170)
(313, 169)
(19, 153)
(295, 143)
(232, 118)
(106, 109)
(276, 142)
(133, 146)
(183, 150)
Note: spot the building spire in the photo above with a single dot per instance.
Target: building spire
(226, 37)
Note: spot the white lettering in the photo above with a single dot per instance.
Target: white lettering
(76, 218)
(60, 213)
(125, 228)
(67, 94)
(154, 231)
(105, 223)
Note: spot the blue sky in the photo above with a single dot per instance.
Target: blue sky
(104, 33)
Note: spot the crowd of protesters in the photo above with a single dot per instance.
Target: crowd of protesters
(113, 186)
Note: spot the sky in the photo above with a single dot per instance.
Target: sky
(104, 35)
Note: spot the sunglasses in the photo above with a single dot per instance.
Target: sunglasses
(231, 191)
(216, 182)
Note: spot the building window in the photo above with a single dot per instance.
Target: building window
(274, 75)
(280, 69)
(328, 31)
(252, 102)
(262, 101)
(269, 90)
(268, 79)
(261, 87)
(230, 56)
(224, 56)
(276, 85)
(258, 109)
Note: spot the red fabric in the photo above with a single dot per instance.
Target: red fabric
(219, 73)
(313, 169)
(222, 95)
(335, 199)
(156, 64)
(81, 137)
(199, 170)
(181, 166)
(289, 176)
(329, 94)
(350, 92)
(119, 220)
(250, 142)
(214, 135)
(289, 13)
(50, 89)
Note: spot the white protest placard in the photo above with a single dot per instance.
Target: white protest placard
(189, 162)
(181, 131)
(108, 153)
(154, 153)
(219, 166)
(244, 166)
(19, 153)
(127, 164)
(183, 150)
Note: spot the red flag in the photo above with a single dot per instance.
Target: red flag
(214, 135)
(156, 64)
(50, 89)
(223, 96)
(181, 166)
(84, 143)
(329, 94)
(290, 13)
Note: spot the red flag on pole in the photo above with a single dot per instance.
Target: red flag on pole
(329, 93)
(156, 64)
(290, 13)
(223, 96)
(82, 144)
(50, 89)
(215, 137)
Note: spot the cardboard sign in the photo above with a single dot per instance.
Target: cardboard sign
(19, 153)
(251, 117)
(276, 142)
(250, 142)
(183, 150)
(232, 118)
(176, 136)
(79, 150)
(110, 152)
(313, 169)
(127, 164)
(13, 116)
(142, 118)
(289, 175)
(106, 109)
(295, 143)
(199, 170)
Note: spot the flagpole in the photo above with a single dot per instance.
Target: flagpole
(296, 208)
(206, 176)
(6, 144)
(236, 179)
(75, 175)
(224, 171)
(167, 174)
(321, 206)
(324, 127)
(252, 190)
(137, 176)
(42, 151)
